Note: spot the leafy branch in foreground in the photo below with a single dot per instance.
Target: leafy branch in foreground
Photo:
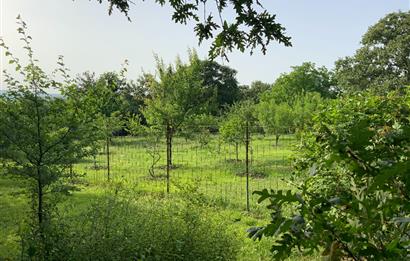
(353, 197)
(252, 26)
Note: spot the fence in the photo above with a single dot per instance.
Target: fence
(220, 171)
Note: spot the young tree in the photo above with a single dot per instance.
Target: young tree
(176, 97)
(276, 118)
(42, 136)
(237, 129)
(105, 106)
(382, 63)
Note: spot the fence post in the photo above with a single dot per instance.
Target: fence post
(168, 134)
(108, 158)
(247, 164)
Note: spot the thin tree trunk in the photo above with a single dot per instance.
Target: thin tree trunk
(277, 140)
(170, 149)
(39, 200)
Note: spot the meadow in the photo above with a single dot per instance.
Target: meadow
(204, 176)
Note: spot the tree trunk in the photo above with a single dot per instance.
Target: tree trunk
(40, 211)
(170, 149)
(40, 216)
(108, 158)
(237, 151)
(277, 140)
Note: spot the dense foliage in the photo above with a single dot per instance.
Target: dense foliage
(125, 225)
(353, 200)
(383, 61)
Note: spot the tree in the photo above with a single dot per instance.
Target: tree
(251, 27)
(352, 184)
(305, 108)
(42, 137)
(237, 119)
(176, 98)
(276, 119)
(102, 96)
(221, 83)
(382, 63)
(254, 91)
(237, 129)
(304, 78)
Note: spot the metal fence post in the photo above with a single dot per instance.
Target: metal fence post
(168, 134)
(247, 164)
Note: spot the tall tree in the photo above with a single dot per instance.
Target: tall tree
(254, 91)
(383, 62)
(221, 84)
(304, 78)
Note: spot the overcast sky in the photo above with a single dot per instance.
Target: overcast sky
(81, 30)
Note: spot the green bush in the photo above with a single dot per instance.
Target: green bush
(354, 198)
(119, 227)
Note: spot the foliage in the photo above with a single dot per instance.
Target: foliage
(120, 226)
(277, 119)
(178, 95)
(353, 200)
(221, 84)
(302, 79)
(238, 120)
(382, 62)
(254, 91)
(251, 27)
(41, 137)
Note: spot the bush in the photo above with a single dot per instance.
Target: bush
(353, 200)
(119, 227)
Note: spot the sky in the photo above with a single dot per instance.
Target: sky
(90, 40)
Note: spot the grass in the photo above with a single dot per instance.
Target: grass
(212, 167)
(209, 171)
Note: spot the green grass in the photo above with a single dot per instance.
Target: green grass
(212, 167)
(208, 171)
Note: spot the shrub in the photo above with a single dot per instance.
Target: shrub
(119, 227)
(353, 200)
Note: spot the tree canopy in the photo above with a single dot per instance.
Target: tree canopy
(383, 62)
(304, 78)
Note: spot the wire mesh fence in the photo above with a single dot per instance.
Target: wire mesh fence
(205, 165)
